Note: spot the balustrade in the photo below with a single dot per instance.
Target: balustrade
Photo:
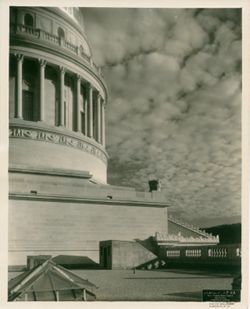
(49, 37)
(71, 47)
(217, 253)
(173, 253)
(26, 29)
(162, 237)
(193, 252)
(204, 255)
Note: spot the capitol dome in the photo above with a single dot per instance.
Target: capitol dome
(59, 201)
(75, 15)
(57, 95)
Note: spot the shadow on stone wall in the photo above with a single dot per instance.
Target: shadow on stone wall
(150, 244)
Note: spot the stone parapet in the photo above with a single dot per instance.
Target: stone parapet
(23, 32)
(68, 228)
(175, 240)
(70, 186)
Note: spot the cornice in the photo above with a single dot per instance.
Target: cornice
(49, 172)
(83, 200)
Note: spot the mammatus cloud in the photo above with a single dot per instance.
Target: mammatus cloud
(174, 77)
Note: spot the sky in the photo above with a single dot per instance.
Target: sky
(174, 107)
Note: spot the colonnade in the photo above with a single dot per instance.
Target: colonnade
(88, 103)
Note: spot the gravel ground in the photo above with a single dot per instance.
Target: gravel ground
(161, 285)
(152, 285)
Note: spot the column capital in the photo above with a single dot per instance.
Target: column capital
(99, 96)
(78, 77)
(19, 57)
(104, 103)
(62, 70)
(89, 85)
(42, 62)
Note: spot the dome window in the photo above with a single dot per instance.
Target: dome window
(28, 20)
(61, 33)
(81, 50)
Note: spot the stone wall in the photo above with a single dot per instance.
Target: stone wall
(127, 254)
(39, 227)
(33, 151)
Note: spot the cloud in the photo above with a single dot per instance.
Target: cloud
(174, 77)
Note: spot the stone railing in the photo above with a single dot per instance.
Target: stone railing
(84, 56)
(189, 226)
(53, 39)
(71, 47)
(48, 37)
(164, 238)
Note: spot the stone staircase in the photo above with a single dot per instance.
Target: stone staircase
(153, 264)
(179, 240)
(184, 234)
(189, 227)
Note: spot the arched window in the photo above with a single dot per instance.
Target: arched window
(28, 20)
(81, 50)
(61, 33)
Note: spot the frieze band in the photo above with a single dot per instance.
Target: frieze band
(57, 139)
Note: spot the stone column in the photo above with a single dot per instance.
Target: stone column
(42, 64)
(103, 123)
(86, 114)
(19, 110)
(90, 111)
(78, 96)
(98, 118)
(62, 74)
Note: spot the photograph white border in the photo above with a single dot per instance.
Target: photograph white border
(4, 43)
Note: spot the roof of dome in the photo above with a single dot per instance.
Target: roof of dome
(75, 14)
